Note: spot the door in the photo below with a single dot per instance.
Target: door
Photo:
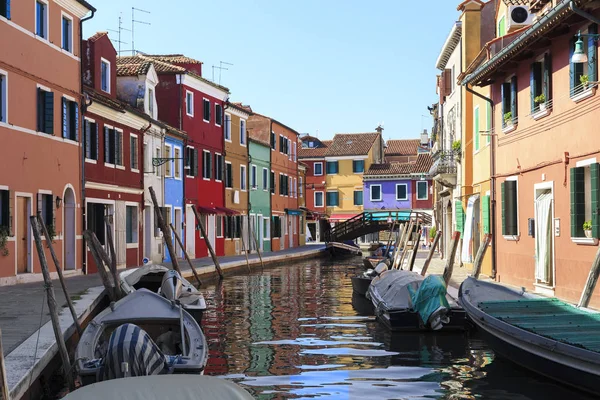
(291, 231)
(148, 232)
(177, 225)
(312, 232)
(212, 223)
(23, 235)
(69, 228)
(190, 229)
(543, 237)
(259, 231)
(284, 229)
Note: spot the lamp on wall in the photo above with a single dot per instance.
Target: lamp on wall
(58, 202)
(579, 55)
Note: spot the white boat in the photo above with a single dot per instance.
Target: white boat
(167, 282)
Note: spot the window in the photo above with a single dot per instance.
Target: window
(266, 229)
(318, 169)
(265, 179)
(358, 197)
(168, 169)
(70, 119)
(45, 112)
(95, 221)
(281, 185)
(577, 70)
(585, 189)
(242, 177)
(318, 199)
(218, 114)
(276, 227)
(295, 188)
(219, 222)
(294, 153)
(508, 194)
(300, 187)
(502, 26)
(6, 210)
(189, 103)
(133, 149)
(290, 187)
(509, 102)
(422, 190)
(118, 147)
(332, 167)
(228, 127)
(156, 152)
(67, 34)
(218, 167)
(151, 101)
(233, 227)
(131, 224)
(206, 165)
(476, 127)
(358, 166)
(206, 115)
(541, 83)
(41, 19)
(113, 146)
(191, 161)
(91, 140)
(253, 177)
(177, 161)
(46, 206)
(272, 182)
(333, 199)
(375, 192)
(228, 175)
(5, 8)
(401, 191)
(242, 132)
(273, 143)
(105, 76)
(3, 97)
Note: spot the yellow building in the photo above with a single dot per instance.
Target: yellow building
(346, 160)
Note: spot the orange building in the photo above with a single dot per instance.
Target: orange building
(40, 120)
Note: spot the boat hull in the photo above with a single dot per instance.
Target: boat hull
(409, 321)
(360, 285)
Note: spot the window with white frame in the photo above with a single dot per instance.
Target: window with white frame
(266, 228)
(41, 19)
(295, 188)
(228, 127)
(265, 179)
(189, 103)
(131, 224)
(67, 33)
(242, 177)
(294, 153)
(422, 190)
(242, 132)
(318, 199)
(3, 97)
(218, 114)
(70, 119)
(206, 110)
(46, 207)
(401, 191)
(253, 173)
(228, 175)
(375, 191)
(191, 161)
(218, 167)
(168, 171)
(219, 222)
(113, 146)
(300, 187)
(206, 164)
(91, 140)
(133, 150)
(318, 169)
(177, 161)
(5, 211)
(45, 111)
(105, 75)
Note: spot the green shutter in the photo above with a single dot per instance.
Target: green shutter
(577, 191)
(485, 213)
(460, 216)
(502, 27)
(592, 53)
(476, 130)
(547, 88)
(594, 176)
(502, 195)
(510, 191)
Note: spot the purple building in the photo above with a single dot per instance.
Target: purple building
(388, 186)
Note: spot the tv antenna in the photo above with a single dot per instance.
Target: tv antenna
(220, 68)
(119, 32)
(133, 22)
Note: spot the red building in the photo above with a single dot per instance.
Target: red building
(422, 192)
(312, 154)
(193, 104)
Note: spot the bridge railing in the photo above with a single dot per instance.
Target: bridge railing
(355, 226)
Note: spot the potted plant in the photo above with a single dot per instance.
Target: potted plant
(585, 80)
(432, 233)
(540, 101)
(508, 119)
(4, 233)
(587, 229)
(456, 149)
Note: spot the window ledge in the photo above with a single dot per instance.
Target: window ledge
(539, 114)
(137, 171)
(544, 289)
(132, 245)
(91, 161)
(512, 238)
(120, 167)
(589, 92)
(585, 241)
(509, 128)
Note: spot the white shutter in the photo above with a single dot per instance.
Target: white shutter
(120, 234)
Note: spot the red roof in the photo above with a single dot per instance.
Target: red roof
(402, 147)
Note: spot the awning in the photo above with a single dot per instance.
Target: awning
(206, 210)
(293, 212)
(341, 217)
(226, 211)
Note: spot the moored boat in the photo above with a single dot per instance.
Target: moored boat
(544, 335)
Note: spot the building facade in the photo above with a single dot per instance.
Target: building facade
(259, 205)
(173, 172)
(40, 128)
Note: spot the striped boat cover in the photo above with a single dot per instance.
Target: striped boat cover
(131, 344)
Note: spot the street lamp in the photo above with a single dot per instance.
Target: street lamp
(579, 55)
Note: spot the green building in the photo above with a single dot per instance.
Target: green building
(259, 202)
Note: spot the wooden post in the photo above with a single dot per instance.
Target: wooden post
(592, 279)
(245, 250)
(450, 261)
(407, 236)
(208, 245)
(401, 232)
(165, 230)
(262, 265)
(113, 258)
(5, 389)
(431, 251)
(60, 340)
(487, 238)
(186, 255)
(96, 249)
(413, 255)
(59, 272)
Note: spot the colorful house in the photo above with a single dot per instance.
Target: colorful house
(174, 174)
(312, 154)
(346, 160)
(260, 199)
(40, 102)
(546, 167)
(302, 203)
(237, 187)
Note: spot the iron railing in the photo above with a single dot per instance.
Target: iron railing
(444, 162)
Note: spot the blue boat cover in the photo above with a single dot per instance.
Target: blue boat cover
(429, 297)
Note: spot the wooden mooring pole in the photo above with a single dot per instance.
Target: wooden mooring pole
(413, 255)
(112, 266)
(450, 261)
(590, 284)
(165, 230)
(398, 264)
(5, 388)
(208, 245)
(60, 340)
(187, 257)
(100, 258)
(480, 254)
(431, 252)
(59, 272)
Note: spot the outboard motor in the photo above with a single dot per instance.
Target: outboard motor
(171, 286)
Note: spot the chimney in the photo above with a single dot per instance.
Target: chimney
(424, 137)
(379, 129)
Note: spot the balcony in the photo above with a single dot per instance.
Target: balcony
(444, 168)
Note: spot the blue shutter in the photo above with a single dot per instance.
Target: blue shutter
(532, 86)
(65, 116)
(592, 53)
(7, 9)
(547, 86)
(573, 83)
(87, 138)
(97, 142)
(106, 146)
(76, 121)
(513, 98)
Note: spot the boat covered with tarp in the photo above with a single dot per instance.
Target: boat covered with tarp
(406, 301)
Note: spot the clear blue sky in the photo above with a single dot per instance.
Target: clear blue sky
(332, 66)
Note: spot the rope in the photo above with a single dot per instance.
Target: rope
(37, 341)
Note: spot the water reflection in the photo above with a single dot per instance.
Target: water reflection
(297, 332)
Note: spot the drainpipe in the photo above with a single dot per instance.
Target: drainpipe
(492, 180)
(584, 14)
(82, 149)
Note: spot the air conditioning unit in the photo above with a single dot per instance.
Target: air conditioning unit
(518, 17)
(236, 197)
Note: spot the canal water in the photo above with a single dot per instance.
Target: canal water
(296, 332)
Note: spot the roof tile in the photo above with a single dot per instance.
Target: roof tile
(402, 147)
(423, 164)
(392, 168)
(131, 65)
(173, 58)
(97, 36)
(311, 152)
(351, 144)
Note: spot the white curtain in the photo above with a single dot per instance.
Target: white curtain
(467, 247)
(543, 237)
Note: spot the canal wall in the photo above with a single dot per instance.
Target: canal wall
(31, 365)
